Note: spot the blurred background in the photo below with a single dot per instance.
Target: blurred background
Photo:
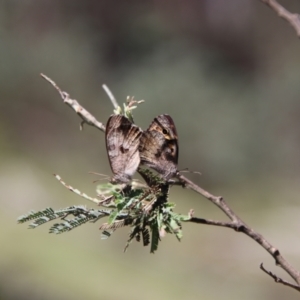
(226, 71)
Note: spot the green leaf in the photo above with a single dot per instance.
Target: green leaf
(113, 216)
(106, 234)
(146, 236)
(154, 239)
(134, 231)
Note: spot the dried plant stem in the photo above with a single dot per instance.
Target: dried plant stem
(87, 117)
(235, 222)
(292, 18)
(110, 96)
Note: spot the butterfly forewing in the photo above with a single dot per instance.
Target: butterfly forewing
(122, 143)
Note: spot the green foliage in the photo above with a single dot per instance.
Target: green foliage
(128, 107)
(81, 215)
(155, 238)
(41, 217)
(146, 210)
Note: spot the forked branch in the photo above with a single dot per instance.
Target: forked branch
(235, 222)
(279, 280)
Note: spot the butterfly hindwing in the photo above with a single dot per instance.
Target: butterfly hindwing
(159, 146)
(122, 143)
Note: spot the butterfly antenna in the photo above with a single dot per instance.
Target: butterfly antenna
(99, 180)
(95, 173)
(186, 170)
(105, 177)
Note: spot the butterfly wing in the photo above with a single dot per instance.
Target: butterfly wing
(159, 146)
(122, 142)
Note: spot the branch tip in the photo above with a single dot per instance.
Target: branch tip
(292, 18)
(110, 96)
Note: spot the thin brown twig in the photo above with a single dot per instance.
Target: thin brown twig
(292, 18)
(212, 222)
(236, 223)
(278, 279)
(87, 117)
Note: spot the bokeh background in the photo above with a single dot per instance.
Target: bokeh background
(226, 71)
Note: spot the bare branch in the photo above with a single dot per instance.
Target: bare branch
(292, 18)
(218, 201)
(212, 222)
(278, 279)
(76, 191)
(236, 223)
(86, 116)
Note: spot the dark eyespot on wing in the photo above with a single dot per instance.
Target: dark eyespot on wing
(158, 153)
(123, 150)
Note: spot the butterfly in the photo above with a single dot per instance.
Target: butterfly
(122, 144)
(159, 147)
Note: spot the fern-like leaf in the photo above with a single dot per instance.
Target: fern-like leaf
(146, 236)
(135, 230)
(69, 224)
(154, 239)
(144, 209)
(47, 212)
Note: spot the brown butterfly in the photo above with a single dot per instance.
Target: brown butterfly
(159, 146)
(122, 143)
